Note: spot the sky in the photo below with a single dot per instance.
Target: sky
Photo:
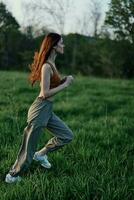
(78, 10)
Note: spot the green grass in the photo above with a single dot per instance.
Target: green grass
(98, 164)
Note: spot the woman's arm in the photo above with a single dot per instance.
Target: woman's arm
(45, 82)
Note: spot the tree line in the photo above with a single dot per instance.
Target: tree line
(98, 55)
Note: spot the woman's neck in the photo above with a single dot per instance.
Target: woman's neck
(52, 56)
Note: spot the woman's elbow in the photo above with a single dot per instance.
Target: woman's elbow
(45, 94)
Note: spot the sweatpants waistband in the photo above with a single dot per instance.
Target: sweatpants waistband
(42, 99)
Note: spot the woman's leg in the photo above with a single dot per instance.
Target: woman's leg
(37, 119)
(28, 147)
(62, 135)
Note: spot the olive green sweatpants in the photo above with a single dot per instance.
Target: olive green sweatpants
(40, 116)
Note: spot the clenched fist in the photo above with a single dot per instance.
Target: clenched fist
(69, 80)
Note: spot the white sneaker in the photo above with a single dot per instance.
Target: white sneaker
(12, 179)
(43, 160)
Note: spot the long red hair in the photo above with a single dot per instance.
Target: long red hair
(40, 57)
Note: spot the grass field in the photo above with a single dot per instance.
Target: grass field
(97, 165)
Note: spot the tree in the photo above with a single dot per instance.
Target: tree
(120, 17)
(8, 29)
(51, 14)
(7, 21)
(91, 19)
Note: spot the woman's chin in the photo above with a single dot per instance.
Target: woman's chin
(60, 52)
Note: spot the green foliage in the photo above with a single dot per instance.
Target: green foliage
(14, 46)
(8, 36)
(121, 18)
(7, 21)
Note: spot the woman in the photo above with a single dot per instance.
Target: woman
(40, 114)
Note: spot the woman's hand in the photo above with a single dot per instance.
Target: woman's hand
(68, 81)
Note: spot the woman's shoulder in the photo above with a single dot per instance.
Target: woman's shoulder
(48, 67)
(52, 65)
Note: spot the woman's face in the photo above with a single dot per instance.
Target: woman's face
(60, 46)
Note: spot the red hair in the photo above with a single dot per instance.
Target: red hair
(40, 57)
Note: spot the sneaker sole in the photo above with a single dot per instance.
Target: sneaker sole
(45, 166)
(8, 181)
(41, 163)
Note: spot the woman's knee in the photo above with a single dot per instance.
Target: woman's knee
(70, 136)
